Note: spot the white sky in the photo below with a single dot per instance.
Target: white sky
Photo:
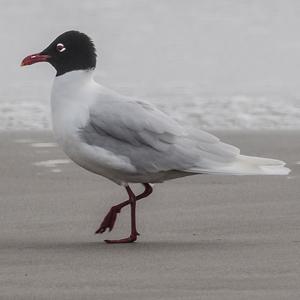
(216, 46)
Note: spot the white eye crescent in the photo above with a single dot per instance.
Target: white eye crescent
(60, 47)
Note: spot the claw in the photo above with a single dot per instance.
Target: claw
(109, 220)
(132, 238)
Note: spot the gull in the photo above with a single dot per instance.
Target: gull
(128, 140)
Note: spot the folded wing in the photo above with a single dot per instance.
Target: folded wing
(154, 142)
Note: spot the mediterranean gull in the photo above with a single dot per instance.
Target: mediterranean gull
(128, 140)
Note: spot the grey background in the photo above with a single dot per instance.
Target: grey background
(219, 46)
(220, 64)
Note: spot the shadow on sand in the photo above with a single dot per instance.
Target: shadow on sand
(101, 246)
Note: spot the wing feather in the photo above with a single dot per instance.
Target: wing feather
(135, 122)
(150, 139)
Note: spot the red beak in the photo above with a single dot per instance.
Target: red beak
(34, 58)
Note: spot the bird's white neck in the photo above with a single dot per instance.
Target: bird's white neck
(73, 80)
(71, 96)
(72, 88)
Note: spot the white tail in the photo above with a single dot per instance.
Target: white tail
(247, 165)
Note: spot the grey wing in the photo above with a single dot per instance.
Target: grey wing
(150, 139)
(136, 123)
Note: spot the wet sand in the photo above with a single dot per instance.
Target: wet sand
(203, 237)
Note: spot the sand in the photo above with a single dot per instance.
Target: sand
(203, 237)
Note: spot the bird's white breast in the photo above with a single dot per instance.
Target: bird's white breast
(71, 96)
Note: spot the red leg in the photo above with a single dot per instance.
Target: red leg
(133, 235)
(110, 219)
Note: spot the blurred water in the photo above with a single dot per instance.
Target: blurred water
(219, 63)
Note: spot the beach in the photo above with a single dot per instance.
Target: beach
(202, 237)
(228, 67)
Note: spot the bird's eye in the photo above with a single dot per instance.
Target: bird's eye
(60, 47)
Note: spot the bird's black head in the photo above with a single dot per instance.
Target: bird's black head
(72, 50)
